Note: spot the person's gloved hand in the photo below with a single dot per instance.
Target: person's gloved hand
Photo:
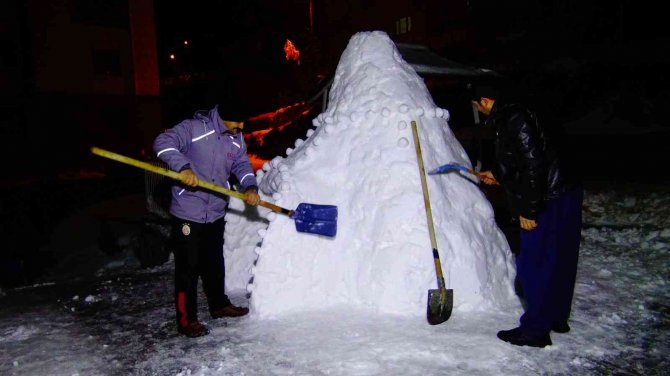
(487, 178)
(251, 197)
(527, 224)
(187, 177)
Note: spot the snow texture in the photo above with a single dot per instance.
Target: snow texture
(362, 158)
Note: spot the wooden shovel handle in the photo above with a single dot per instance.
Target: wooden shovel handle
(175, 175)
(429, 214)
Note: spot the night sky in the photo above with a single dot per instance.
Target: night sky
(225, 32)
(236, 46)
(597, 43)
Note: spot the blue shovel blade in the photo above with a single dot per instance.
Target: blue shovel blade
(316, 219)
(448, 167)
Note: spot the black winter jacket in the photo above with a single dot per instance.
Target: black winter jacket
(528, 165)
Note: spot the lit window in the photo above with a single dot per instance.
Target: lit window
(403, 25)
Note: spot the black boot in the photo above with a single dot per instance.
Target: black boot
(229, 311)
(560, 327)
(193, 329)
(517, 337)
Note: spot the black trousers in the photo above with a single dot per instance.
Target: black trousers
(547, 264)
(198, 252)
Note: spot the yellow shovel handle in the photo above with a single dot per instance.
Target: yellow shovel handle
(426, 201)
(175, 175)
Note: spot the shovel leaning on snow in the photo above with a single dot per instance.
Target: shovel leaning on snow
(310, 218)
(440, 300)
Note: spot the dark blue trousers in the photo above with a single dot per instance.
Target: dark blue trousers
(547, 263)
(198, 253)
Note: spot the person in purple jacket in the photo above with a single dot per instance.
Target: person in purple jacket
(207, 147)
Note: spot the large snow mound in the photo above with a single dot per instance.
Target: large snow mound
(362, 158)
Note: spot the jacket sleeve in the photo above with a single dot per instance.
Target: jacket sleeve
(242, 168)
(171, 145)
(532, 165)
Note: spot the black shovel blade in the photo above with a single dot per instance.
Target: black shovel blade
(316, 219)
(440, 304)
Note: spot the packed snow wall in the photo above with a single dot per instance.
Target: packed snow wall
(362, 158)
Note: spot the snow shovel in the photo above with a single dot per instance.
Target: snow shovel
(452, 166)
(310, 218)
(440, 300)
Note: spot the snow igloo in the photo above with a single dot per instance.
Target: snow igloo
(361, 158)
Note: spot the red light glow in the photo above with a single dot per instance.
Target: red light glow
(292, 53)
(270, 117)
(256, 161)
(274, 121)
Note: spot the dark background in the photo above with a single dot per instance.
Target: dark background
(79, 73)
(597, 69)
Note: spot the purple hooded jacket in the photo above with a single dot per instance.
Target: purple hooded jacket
(212, 152)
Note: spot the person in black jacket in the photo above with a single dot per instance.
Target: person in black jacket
(547, 198)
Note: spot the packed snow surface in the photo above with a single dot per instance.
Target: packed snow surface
(122, 323)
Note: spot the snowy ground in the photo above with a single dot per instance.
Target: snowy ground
(121, 322)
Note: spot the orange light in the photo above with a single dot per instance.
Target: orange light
(292, 53)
